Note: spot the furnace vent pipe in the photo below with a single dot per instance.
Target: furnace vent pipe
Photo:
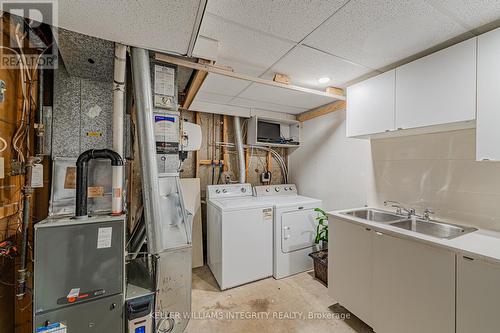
(82, 177)
(118, 121)
(239, 148)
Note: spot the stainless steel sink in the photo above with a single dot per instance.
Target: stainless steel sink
(434, 228)
(375, 215)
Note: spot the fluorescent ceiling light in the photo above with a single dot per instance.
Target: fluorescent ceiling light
(324, 79)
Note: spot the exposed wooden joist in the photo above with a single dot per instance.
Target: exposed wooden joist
(197, 153)
(194, 87)
(209, 162)
(222, 71)
(322, 110)
(247, 162)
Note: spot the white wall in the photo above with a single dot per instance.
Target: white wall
(437, 171)
(330, 166)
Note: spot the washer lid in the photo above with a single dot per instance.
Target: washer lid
(240, 203)
(286, 201)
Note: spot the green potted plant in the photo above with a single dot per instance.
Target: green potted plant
(320, 258)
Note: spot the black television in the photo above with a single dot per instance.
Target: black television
(268, 132)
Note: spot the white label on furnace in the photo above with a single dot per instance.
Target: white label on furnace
(104, 236)
(164, 80)
(74, 292)
(37, 176)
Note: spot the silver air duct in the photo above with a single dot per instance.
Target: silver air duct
(239, 148)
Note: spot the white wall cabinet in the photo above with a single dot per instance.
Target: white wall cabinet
(438, 89)
(370, 105)
(350, 267)
(413, 287)
(488, 97)
(478, 296)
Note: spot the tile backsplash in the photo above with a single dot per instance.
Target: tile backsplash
(437, 171)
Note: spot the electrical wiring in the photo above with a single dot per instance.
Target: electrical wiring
(274, 153)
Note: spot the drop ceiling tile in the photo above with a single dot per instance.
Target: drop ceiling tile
(250, 51)
(217, 108)
(165, 25)
(290, 19)
(284, 96)
(377, 33)
(473, 14)
(223, 85)
(212, 98)
(306, 65)
(255, 104)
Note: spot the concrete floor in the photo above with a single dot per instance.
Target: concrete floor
(276, 306)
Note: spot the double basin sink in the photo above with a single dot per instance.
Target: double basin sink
(428, 227)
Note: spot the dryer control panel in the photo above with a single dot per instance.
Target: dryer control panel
(229, 191)
(274, 190)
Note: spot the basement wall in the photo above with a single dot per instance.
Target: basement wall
(329, 166)
(437, 171)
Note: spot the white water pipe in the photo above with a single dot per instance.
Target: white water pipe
(118, 120)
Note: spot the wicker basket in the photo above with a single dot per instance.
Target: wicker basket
(320, 259)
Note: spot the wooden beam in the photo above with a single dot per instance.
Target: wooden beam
(247, 163)
(194, 87)
(322, 110)
(221, 71)
(209, 162)
(269, 161)
(197, 153)
(335, 91)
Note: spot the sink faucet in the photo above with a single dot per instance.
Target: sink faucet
(400, 208)
(427, 214)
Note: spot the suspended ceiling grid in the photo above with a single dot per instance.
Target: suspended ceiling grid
(340, 39)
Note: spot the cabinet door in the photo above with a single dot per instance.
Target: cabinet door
(350, 267)
(370, 105)
(438, 89)
(413, 287)
(478, 296)
(488, 97)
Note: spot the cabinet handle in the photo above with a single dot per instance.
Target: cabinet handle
(378, 233)
(485, 159)
(368, 229)
(400, 128)
(468, 258)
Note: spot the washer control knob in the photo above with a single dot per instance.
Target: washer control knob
(217, 191)
(267, 190)
(224, 191)
(243, 190)
(290, 188)
(277, 189)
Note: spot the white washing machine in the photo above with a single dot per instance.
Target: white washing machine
(294, 228)
(239, 235)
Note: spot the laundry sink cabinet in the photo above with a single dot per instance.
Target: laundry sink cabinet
(393, 284)
(478, 295)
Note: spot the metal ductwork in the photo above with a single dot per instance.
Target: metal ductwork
(239, 148)
(82, 176)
